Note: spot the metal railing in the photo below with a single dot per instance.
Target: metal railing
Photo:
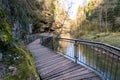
(30, 38)
(100, 57)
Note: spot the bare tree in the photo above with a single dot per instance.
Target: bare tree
(66, 16)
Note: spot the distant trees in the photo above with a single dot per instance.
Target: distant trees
(98, 16)
(106, 14)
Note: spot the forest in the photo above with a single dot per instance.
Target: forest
(99, 20)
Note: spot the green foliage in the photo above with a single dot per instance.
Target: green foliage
(89, 8)
(107, 11)
(25, 66)
(5, 33)
(116, 13)
(39, 5)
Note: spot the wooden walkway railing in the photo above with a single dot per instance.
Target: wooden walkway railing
(53, 66)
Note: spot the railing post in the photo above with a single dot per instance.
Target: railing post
(53, 40)
(41, 39)
(75, 51)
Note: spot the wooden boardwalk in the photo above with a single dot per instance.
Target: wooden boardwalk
(53, 66)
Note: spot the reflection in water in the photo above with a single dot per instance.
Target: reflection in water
(70, 50)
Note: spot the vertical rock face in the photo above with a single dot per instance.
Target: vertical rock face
(20, 13)
(16, 30)
(14, 15)
(4, 3)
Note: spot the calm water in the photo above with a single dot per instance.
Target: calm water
(100, 61)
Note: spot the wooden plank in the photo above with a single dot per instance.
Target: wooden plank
(51, 62)
(92, 78)
(44, 56)
(47, 59)
(71, 74)
(85, 76)
(44, 59)
(34, 47)
(60, 72)
(52, 67)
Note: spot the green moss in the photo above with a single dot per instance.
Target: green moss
(5, 33)
(24, 64)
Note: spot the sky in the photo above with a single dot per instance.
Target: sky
(71, 6)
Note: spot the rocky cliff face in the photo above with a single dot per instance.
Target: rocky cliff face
(22, 13)
(14, 64)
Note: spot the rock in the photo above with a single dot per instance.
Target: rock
(12, 70)
(2, 71)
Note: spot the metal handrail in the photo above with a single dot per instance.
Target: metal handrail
(29, 38)
(93, 42)
(108, 56)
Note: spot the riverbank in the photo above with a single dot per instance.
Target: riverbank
(109, 38)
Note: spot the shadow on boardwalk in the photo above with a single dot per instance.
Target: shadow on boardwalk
(53, 66)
